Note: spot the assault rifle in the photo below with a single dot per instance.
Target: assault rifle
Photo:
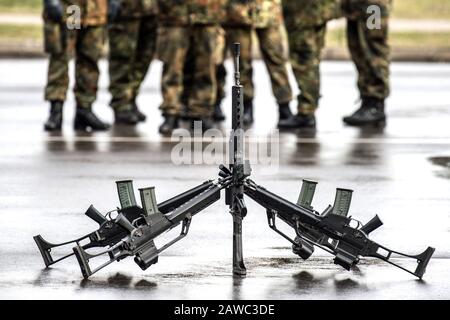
(133, 229)
(151, 223)
(331, 230)
(110, 232)
(239, 169)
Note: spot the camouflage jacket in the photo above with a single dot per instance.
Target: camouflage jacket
(206, 12)
(307, 13)
(267, 13)
(137, 8)
(190, 12)
(238, 13)
(173, 12)
(93, 12)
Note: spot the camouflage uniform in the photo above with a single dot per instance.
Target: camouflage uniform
(369, 48)
(188, 25)
(268, 22)
(306, 25)
(87, 46)
(132, 41)
(238, 25)
(266, 18)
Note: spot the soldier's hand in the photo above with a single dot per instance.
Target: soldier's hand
(54, 10)
(113, 9)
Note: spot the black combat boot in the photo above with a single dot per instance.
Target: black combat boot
(371, 112)
(141, 117)
(218, 115)
(127, 117)
(170, 123)
(86, 120)
(54, 122)
(248, 113)
(285, 111)
(307, 121)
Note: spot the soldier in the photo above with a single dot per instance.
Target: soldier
(369, 48)
(306, 23)
(132, 42)
(87, 42)
(268, 23)
(266, 18)
(188, 25)
(189, 74)
(238, 26)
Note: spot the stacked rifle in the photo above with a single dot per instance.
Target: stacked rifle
(130, 230)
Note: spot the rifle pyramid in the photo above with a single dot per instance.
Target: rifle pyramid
(130, 231)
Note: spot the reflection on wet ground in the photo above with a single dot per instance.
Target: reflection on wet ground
(47, 181)
(444, 166)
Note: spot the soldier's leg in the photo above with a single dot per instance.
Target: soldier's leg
(306, 45)
(59, 44)
(58, 77)
(203, 98)
(173, 44)
(89, 49)
(221, 71)
(123, 40)
(370, 52)
(58, 68)
(221, 74)
(272, 48)
(369, 49)
(305, 50)
(146, 47)
(188, 78)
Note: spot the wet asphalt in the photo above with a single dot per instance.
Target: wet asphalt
(401, 173)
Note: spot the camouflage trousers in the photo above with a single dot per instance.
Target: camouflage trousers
(189, 72)
(188, 52)
(132, 46)
(271, 44)
(370, 52)
(86, 45)
(306, 46)
(243, 35)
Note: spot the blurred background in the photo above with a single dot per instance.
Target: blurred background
(401, 172)
(420, 30)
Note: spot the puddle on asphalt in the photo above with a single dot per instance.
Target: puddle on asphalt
(442, 162)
